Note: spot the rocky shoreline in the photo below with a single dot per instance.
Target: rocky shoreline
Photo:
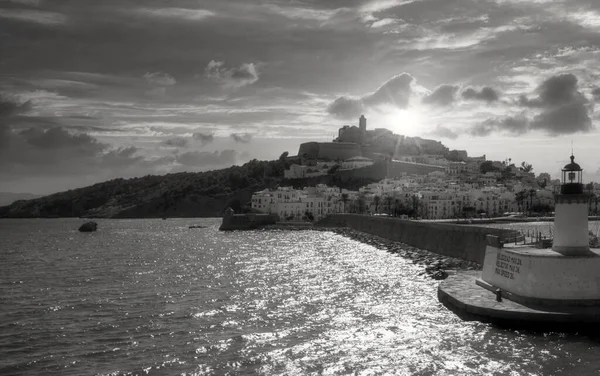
(436, 266)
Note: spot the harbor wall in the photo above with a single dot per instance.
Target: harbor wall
(247, 221)
(461, 241)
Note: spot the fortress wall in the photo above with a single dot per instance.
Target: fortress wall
(338, 150)
(310, 149)
(330, 150)
(375, 171)
(398, 168)
(461, 241)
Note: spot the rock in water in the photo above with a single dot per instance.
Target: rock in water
(89, 227)
(439, 275)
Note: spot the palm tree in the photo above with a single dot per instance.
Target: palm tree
(344, 201)
(526, 167)
(361, 204)
(376, 200)
(532, 194)
(388, 203)
(520, 197)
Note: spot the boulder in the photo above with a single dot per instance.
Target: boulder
(439, 275)
(88, 227)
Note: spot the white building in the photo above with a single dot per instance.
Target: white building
(295, 205)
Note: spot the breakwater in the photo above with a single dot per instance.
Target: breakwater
(460, 241)
(246, 221)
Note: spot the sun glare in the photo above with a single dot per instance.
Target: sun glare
(404, 122)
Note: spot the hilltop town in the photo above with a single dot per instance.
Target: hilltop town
(361, 171)
(413, 178)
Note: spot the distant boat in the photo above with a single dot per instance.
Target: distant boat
(197, 226)
(164, 218)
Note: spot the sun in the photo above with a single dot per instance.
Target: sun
(406, 122)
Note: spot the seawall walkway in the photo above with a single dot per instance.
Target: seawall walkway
(453, 240)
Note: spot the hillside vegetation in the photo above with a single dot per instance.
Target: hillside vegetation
(186, 194)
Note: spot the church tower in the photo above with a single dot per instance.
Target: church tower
(362, 127)
(362, 124)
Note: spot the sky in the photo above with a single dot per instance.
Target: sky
(94, 90)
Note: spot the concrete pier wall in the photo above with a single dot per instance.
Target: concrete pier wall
(247, 221)
(461, 241)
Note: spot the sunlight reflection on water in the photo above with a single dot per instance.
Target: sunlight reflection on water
(155, 297)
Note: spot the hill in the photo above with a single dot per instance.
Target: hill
(7, 198)
(200, 194)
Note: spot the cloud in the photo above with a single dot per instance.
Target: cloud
(554, 91)
(159, 78)
(596, 93)
(242, 138)
(204, 138)
(35, 3)
(564, 119)
(35, 16)
(514, 125)
(396, 91)
(159, 82)
(443, 95)
(59, 138)
(205, 158)
(121, 157)
(55, 159)
(235, 77)
(346, 108)
(486, 94)
(445, 132)
(187, 14)
(53, 148)
(564, 109)
(178, 142)
(10, 107)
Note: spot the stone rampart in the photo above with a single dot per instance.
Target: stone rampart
(461, 241)
(330, 150)
(399, 168)
(374, 172)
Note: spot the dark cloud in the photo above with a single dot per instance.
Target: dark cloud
(204, 138)
(205, 158)
(486, 93)
(564, 119)
(564, 109)
(396, 91)
(10, 107)
(555, 91)
(243, 138)
(596, 93)
(59, 138)
(235, 77)
(178, 142)
(346, 108)
(443, 95)
(514, 125)
(445, 132)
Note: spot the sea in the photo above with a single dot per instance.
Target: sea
(155, 297)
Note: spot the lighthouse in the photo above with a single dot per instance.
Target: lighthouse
(565, 274)
(534, 282)
(571, 214)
